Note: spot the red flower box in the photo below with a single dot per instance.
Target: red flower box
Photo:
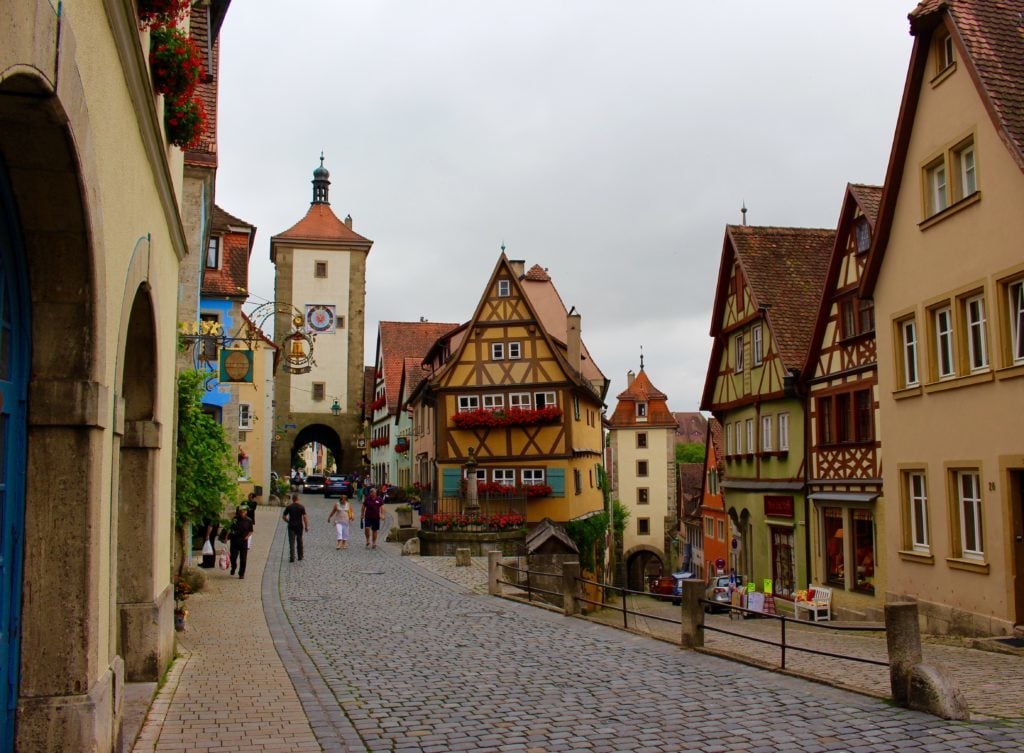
(377, 404)
(174, 62)
(153, 12)
(488, 419)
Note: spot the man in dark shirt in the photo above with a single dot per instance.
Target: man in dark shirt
(298, 523)
(241, 530)
(371, 513)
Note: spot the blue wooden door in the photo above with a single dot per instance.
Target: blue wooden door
(14, 370)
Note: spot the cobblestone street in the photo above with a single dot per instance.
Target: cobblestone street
(395, 657)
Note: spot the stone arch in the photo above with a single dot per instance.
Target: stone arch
(643, 561)
(326, 436)
(69, 678)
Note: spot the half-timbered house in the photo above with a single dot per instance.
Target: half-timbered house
(844, 480)
(717, 554)
(769, 287)
(516, 391)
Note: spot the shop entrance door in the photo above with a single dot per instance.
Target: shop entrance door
(783, 562)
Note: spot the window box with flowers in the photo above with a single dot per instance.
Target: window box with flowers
(472, 522)
(488, 419)
(531, 491)
(153, 12)
(379, 442)
(377, 404)
(402, 445)
(174, 62)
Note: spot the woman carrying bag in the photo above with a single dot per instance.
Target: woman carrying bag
(342, 515)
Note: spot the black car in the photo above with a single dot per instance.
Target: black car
(313, 484)
(335, 486)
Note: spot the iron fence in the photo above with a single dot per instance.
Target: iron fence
(489, 507)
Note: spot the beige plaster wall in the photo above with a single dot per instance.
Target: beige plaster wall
(659, 453)
(967, 421)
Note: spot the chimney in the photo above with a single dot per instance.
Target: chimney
(348, 221)
(518, 267)
(572, 340)
(630, 376)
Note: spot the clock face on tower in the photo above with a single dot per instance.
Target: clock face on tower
(320, 318)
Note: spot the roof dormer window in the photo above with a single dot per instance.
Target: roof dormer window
(641, 411)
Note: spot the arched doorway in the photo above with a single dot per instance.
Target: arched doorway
(324, 435)
(15, 337)
(641, 565)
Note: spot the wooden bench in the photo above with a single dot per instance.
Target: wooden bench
(818, 607)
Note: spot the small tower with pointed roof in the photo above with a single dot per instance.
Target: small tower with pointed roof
(320, 267)
(643, 478)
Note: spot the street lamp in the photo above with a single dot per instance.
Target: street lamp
(336, 407)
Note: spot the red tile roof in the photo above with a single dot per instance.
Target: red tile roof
(320, 224)
(537, 273)
(785, 268)
(642, 391)
(868, 198)
(693, 427)
(205, 153)
(992, 33)
(369, 385)
(715, 430)
(231, 279)
(398, 341)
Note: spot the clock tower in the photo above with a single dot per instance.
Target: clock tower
(320, 293)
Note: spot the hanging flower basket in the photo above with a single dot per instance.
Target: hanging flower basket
(379, 403)
(153, 12)
(379, 442)
(488, 419)
(185, 121)
(174, 62)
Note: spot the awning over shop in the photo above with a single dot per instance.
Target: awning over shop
(843, 497)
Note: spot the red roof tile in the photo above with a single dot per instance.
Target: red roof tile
(785, 268)
(401, 340)
(369, 385)
(537, 273)
(231, 279)
(693, 427)
(868, 198)
(320, 224)
(205, 153)
(642, 391)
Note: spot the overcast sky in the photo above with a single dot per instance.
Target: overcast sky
(610, 142)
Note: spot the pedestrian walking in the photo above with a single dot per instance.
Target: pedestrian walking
(241, 532)
(342, 515)
(298, 524)
(370, 515)
(251, 503)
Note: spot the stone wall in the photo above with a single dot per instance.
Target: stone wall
(444, 543)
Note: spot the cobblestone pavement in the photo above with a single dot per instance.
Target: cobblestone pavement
(416, 662)
(228, 689)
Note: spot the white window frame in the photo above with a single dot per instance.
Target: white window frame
(750, 435)
(728, 440)
(515, 351)
(908, 345)
(1015, 310)
(533, 476)
(968, 496)
(481, 475)
(494, 402)
(215, 245)
(469, 403)
(766, 433)
(977, 340)
(968, 170)
(917, 501)
(739, 353)
(504, 288)
(520, 400)
(721, 530)
(945, 352)
(497, 351)
(758, 345)
(709, 527)
(938, 187)
(245, 419)
(947, 52)
(504, 476)
(783, 432)
(641, 410)
(549, 399)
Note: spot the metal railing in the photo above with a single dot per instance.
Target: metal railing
(528, 586)
(489, 506)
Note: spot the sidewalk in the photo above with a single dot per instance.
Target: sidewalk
(228, 689)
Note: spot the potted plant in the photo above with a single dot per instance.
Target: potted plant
(404, 515)
(182, 590)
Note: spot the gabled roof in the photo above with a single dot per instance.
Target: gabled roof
(867, 199)
(398, 341)
(785, 270)
(642, 391)
(231, 278)
(320, 225)
(989, 38)
(413, 375)
(692, 426)
(369, 385)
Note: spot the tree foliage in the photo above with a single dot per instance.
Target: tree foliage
(589, 534)
(207, 474)
(690, 452)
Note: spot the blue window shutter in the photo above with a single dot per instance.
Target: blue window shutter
(556, 480)
(451, 480)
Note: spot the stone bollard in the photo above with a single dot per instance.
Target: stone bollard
(462, 558)
(916, 685)
(570, 572)
(692, 614)
(494, 573)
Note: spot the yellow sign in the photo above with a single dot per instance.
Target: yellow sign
(767, 585)
(210, 328)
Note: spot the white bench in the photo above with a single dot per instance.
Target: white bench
(818, 607)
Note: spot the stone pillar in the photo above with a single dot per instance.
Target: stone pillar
(692, 633)
(462, 558)
(494, 573)
(570, 573)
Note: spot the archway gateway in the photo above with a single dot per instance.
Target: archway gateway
(324, 435)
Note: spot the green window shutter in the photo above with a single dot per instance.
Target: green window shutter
(451, 480)
(556, 480)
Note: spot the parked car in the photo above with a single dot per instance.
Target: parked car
(313, 484)
(670, 586)
(335, 486)
(720, 590)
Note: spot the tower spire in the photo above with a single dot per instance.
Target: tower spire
(641, 358)
(321, 182)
